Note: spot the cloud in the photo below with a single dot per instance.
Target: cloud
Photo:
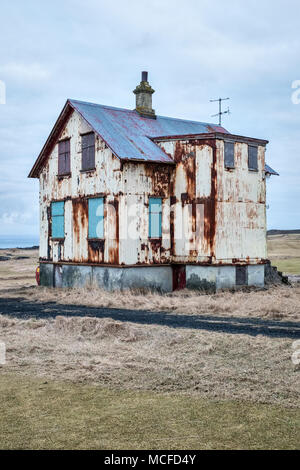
(31, 72)
(11, 218)
(193, 50)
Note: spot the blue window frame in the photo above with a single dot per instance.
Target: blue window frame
(58, 219)
(155, 216)
(96, 217)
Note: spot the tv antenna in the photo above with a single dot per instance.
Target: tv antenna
(220, 109)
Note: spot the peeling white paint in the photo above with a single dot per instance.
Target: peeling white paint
(240, 218)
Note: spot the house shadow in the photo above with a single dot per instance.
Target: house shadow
(24, 309)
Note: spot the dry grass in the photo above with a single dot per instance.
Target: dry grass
(278, 303)
(133, 356)
(19, 269)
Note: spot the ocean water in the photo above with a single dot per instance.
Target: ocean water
(7, 241)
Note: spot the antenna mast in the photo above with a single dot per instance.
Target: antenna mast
(220, 109)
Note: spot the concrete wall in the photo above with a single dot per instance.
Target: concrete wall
(221, 277)
(157, 278)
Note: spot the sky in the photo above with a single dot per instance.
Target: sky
(194, 51)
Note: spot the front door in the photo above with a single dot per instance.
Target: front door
(179, 276)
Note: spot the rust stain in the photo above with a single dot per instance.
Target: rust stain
(161, 177)
(179, 151)
(113, 252)
(210, 207)
(80, 216)
(49, 255)
(185, 153)
(190, 170)
(155, 244)
(96, 251)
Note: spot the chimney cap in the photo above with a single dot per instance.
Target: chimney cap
(143, 101)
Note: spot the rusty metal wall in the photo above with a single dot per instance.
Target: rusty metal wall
(209, 214)
(105, 181)
(223, 210)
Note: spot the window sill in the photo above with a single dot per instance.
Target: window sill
(57, 239)
(253, 170)
(89, 170)
(95, 239)
(155, 239)
(229, 168)
(66, 175)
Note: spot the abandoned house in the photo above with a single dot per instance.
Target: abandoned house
(130, 199)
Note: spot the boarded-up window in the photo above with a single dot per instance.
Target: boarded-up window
(64, 157)
(252, 157)
(241, 275)
(96, 217)
(88, 151)
(155, 217)
(58, 219)
(229, 154)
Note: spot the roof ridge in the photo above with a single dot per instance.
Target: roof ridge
(101, 105)
(134, 112)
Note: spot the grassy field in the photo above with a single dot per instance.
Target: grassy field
(40, 415)
(91, 369)
(284, 252)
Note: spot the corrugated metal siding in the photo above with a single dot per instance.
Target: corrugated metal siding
(208, 214)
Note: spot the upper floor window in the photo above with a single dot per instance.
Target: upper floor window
(229, 154)
(96, 217)
(64, 157)
(58, 219)
(155, 217)
(88, 151)
(252, 157)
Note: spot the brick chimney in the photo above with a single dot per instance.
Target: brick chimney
(143, 97)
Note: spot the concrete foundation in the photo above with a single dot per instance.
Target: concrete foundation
(256, 275)
(63, 275)
(210, 277)
(158, 278)
(46, 275)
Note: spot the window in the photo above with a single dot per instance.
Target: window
(64, 157)
(88, 151)
(58, 219)
(155, 213)
(252, 157)
(96, 218)
(229, 154)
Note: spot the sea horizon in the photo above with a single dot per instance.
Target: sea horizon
(13, 241)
